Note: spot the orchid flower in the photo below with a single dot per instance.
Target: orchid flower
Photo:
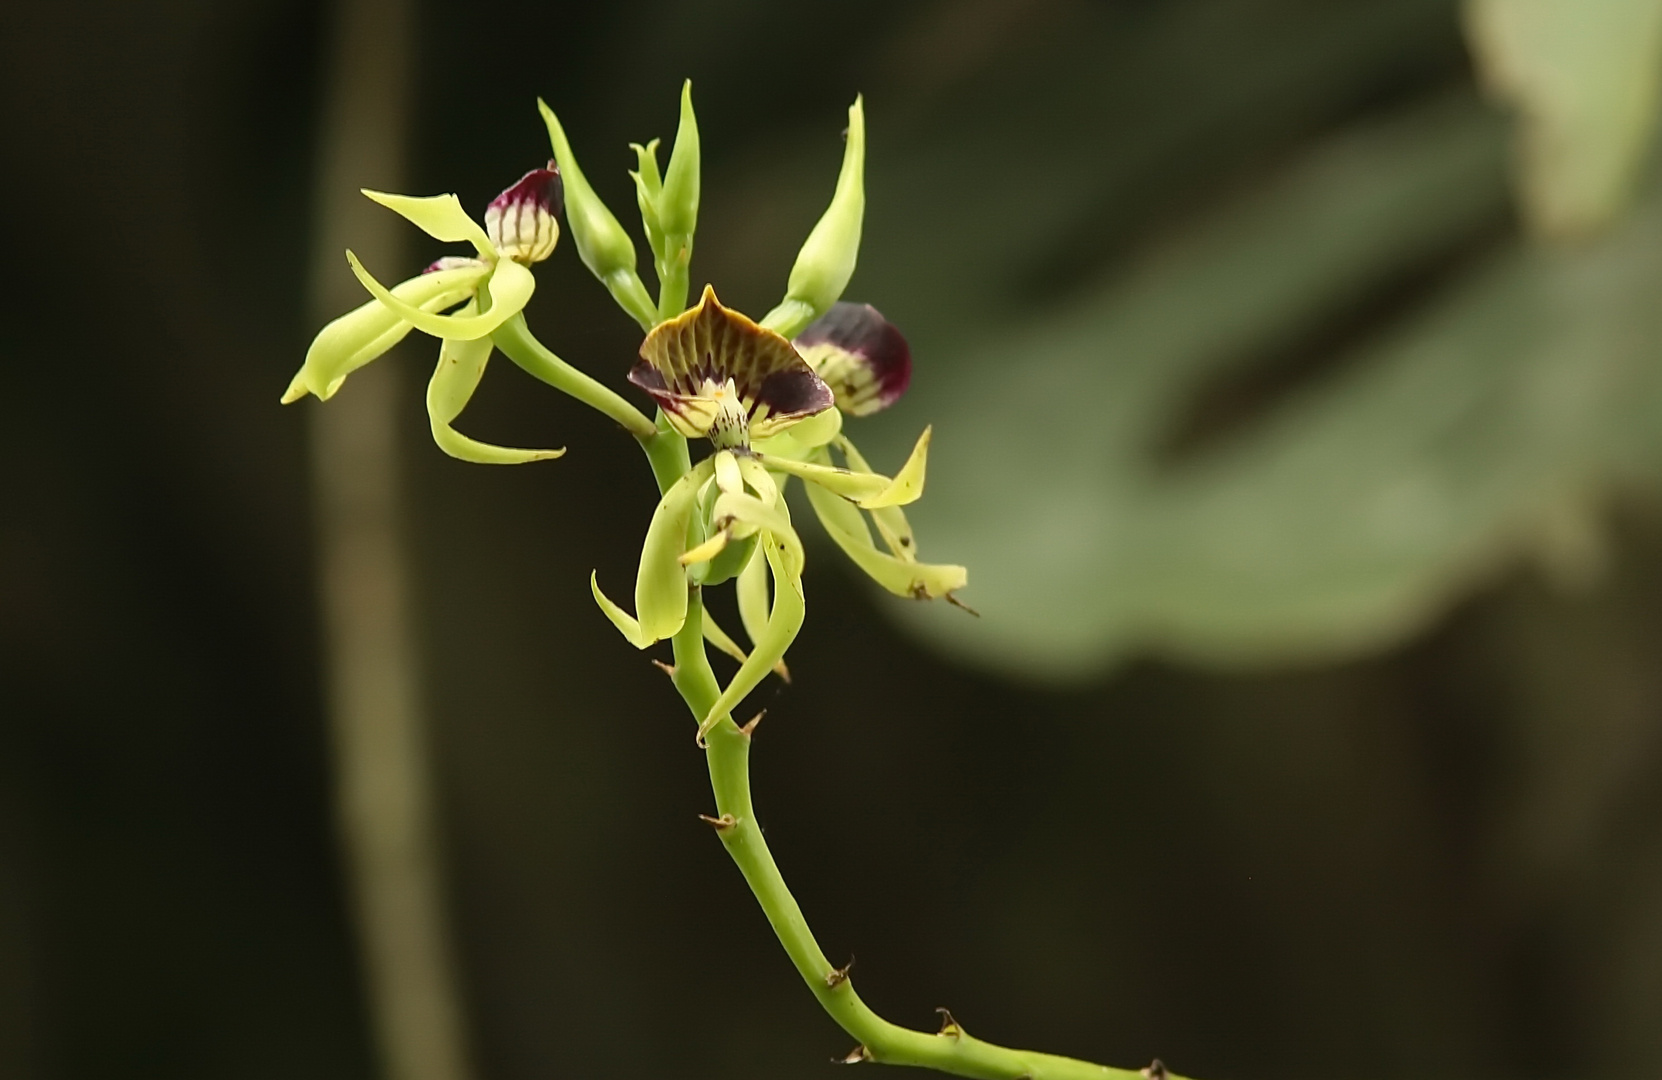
(491, 286)
(720, 376)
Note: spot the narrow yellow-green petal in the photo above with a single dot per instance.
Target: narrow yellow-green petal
(461, 365)
(706, 551)
(783, 623)
(439, 216)
(727, 471)
(661, 584)
(752, 592)
(900, 576)
(625, 623)
(890, 520)
(510, 286)
(749, 510)
(368, 331)
(716, 636)
(907, 486)
(845, 482)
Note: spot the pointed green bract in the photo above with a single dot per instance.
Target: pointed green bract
(368, 331)
(510, 286)
(439, 216)
(828, 256)
(461, 365)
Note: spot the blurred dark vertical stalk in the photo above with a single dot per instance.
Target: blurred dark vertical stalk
(384, 801)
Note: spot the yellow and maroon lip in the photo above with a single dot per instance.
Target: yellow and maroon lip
(719, 375)
(860, 355)
(521, 221)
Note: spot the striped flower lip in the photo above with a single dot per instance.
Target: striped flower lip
(860, 355)
(719, 375)
(521, 221)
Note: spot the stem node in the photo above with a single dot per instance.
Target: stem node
(949, 1025)
(837, 976)
(853, 1057)
(722, 823)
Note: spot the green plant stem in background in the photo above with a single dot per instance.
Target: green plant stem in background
(950, 1050)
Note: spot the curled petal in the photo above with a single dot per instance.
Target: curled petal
(361, 335)
(661, 583)
(521, 221)
(903, 577)
(439, 216)
(907, 486)
(687, 363)
(861, 356)
(783, 623)
(890, 520)
(748, 514)
(752, 592)
(508, 287)
(461, 365)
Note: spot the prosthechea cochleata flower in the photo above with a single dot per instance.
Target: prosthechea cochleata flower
(491, 286)
(768, 416)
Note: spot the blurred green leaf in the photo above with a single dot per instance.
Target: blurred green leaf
(1586, 75)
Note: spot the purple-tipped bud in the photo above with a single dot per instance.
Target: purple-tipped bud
(521, 221)
(860, 355)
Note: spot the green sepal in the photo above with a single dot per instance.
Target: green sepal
(509, 286)
(828, 256)
(751, 590)
(783, 624)
(602, 244)
(869, 490)
(625, 622)
(369, 330)
(907, 486)
(901, 576)
(461, 365)
(439, 216)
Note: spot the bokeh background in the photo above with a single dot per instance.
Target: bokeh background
(1296, 372)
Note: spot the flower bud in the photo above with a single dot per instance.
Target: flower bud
(602, 244)
(678, 201)
(521, 221)
(827, 258)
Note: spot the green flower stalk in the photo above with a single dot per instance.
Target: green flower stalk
(769, 399)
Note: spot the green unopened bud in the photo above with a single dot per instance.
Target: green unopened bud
(678, 202)
(647, 186)
(604, 247)
(827, 258)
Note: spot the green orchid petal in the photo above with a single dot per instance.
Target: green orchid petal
(661, 584)
(509, 286)
(626, 624)
(461, 365)
(890, 520)
(716, 636)
(752, 592)
(368, 331)
(678, 200)
(848, 484)
(728, 477)
(439, 216)
(907, 486)
(903, 577)
(783, 623)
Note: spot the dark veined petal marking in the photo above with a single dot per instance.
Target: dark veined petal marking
(521, 221)
(860, 355)
(688, 361)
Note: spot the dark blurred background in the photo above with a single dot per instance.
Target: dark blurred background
(1313, 726)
